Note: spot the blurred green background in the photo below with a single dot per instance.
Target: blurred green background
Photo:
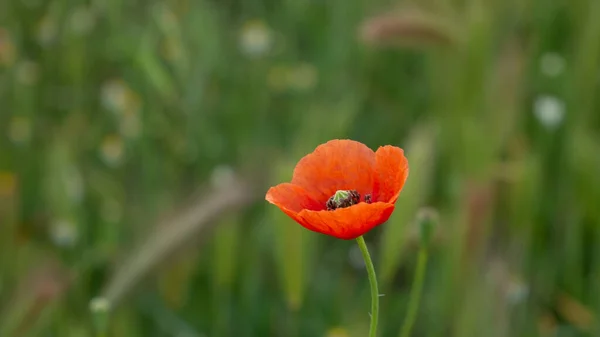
(138, 139)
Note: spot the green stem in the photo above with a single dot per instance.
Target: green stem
(373, 282)
(415, 294)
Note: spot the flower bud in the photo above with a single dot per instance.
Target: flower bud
(100, 308)
(427, 219)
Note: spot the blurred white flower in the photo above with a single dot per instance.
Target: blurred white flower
(511, 286)
(549, 111)
(256, 39)
(81, 21)
(113, 95)
(19, 130)
(118, 98)
(99, 305)
(27, 72)
(111, 150)
(64, 233)
(516, 291)
(552, 64)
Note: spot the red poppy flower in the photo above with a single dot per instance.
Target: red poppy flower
(343, 188)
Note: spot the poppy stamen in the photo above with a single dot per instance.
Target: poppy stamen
(368, 198)
(343, 199)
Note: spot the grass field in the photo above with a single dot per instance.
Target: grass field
(138, 139)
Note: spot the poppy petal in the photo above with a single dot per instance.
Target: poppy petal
(291, 199)
(336, 165)
(350, 222)
(392, 171)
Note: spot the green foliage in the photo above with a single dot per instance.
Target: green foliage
(138, 140)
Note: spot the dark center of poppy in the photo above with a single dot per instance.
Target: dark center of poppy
(346, 198)
(343, 199)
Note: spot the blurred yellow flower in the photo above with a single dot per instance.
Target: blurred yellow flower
(111, 150)
(7, 48)
(8, 184)
(337, 332)
(256, 39)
